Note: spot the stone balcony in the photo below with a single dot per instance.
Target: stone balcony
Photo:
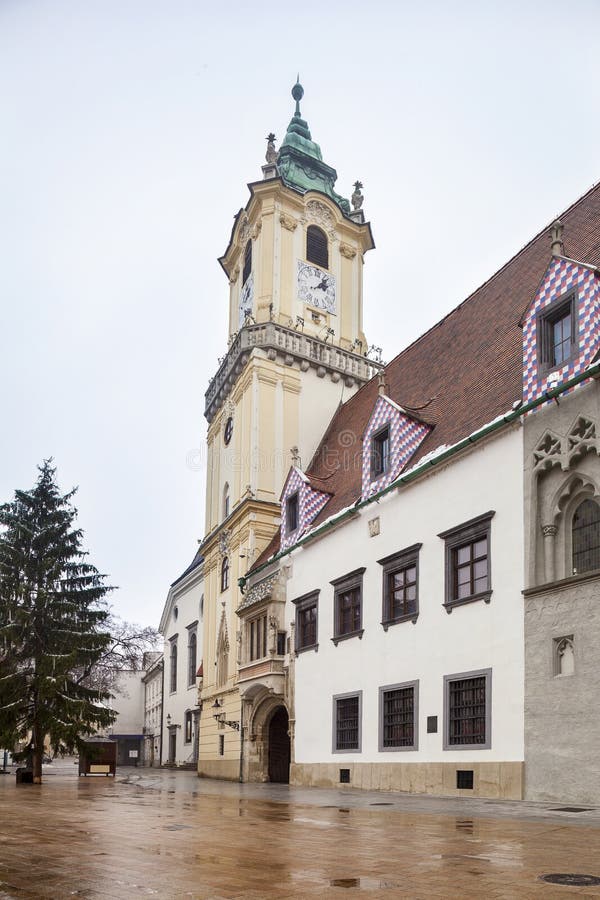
(290, 347)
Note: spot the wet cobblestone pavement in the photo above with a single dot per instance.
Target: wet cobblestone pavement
(170, 835)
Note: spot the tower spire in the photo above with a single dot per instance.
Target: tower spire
(297, 94)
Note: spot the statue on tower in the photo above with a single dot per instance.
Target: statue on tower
(357, 197)
(271, 154)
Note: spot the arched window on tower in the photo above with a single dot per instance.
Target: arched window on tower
(317, 249)
(586, 537)
(225, 573)
(247, 262)
(226, 500)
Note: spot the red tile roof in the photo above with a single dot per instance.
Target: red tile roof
(460, 374)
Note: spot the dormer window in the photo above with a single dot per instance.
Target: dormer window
(317, 249)
(557, 333)
(247, 263)
(380, 453)
(291, 513)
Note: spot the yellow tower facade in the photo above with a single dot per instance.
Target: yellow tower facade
(296, 349)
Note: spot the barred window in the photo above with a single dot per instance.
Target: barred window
(468, 714)
(398, 717)
(586, 537)
(347, 714)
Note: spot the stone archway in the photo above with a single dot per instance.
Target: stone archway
(279, 746)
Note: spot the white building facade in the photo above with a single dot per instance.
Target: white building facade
(153, 666)
(182, 628)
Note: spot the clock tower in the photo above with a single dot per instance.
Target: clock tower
(296, 349)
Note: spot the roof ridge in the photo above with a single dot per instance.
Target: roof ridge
(498, 272)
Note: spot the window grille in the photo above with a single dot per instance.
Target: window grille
(399, 718)
(347, 723)
(467, 711)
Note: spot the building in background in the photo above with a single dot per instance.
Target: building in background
(128, 728)
(181, 625)
(152, 679)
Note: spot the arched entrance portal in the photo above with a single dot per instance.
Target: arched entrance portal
(279, 747)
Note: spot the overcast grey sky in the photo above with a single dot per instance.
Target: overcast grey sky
(130, 131)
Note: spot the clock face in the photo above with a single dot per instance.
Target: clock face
(316, 287)
(246, 297)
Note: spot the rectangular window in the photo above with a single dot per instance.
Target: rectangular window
(557, 333)
(347, 711)
(221, 745)
(398, 716)
(291, 510)
(380, 452)
(347, 600)
(468, 570)
(258, 637)
(306, 621)
(467, 710)
(281, 635)
(400, 586)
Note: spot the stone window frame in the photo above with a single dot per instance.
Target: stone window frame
(544, 321)
(225, 574)
(395, 562)
(306, 601)
(399, 687)
(463, 676)
(192, 630)
(348, 696)
(173, 654)
(349, 582)
(454, 538)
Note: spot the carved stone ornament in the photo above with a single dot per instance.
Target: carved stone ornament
(256, 230)
(228, 411)
(289, 223)
(271, 154)
(319, 214)
(224, 542)
(549, 530)
(374, 527)
(234, 275)
(347, 251)
(245, 230)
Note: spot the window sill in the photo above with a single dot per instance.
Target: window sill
(409, 617)
(314, 647)
(345, 637)
(398, 749)
(471, 747)
(486, 596)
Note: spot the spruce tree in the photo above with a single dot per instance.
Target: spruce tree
(52, 620)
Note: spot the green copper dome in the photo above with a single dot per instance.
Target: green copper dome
(300, 161)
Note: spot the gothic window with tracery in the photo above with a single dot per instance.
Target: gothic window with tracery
(586, 537)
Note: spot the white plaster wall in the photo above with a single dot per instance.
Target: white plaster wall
(187, 599)
(318, 401)
(474, 636)
(129, 704)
